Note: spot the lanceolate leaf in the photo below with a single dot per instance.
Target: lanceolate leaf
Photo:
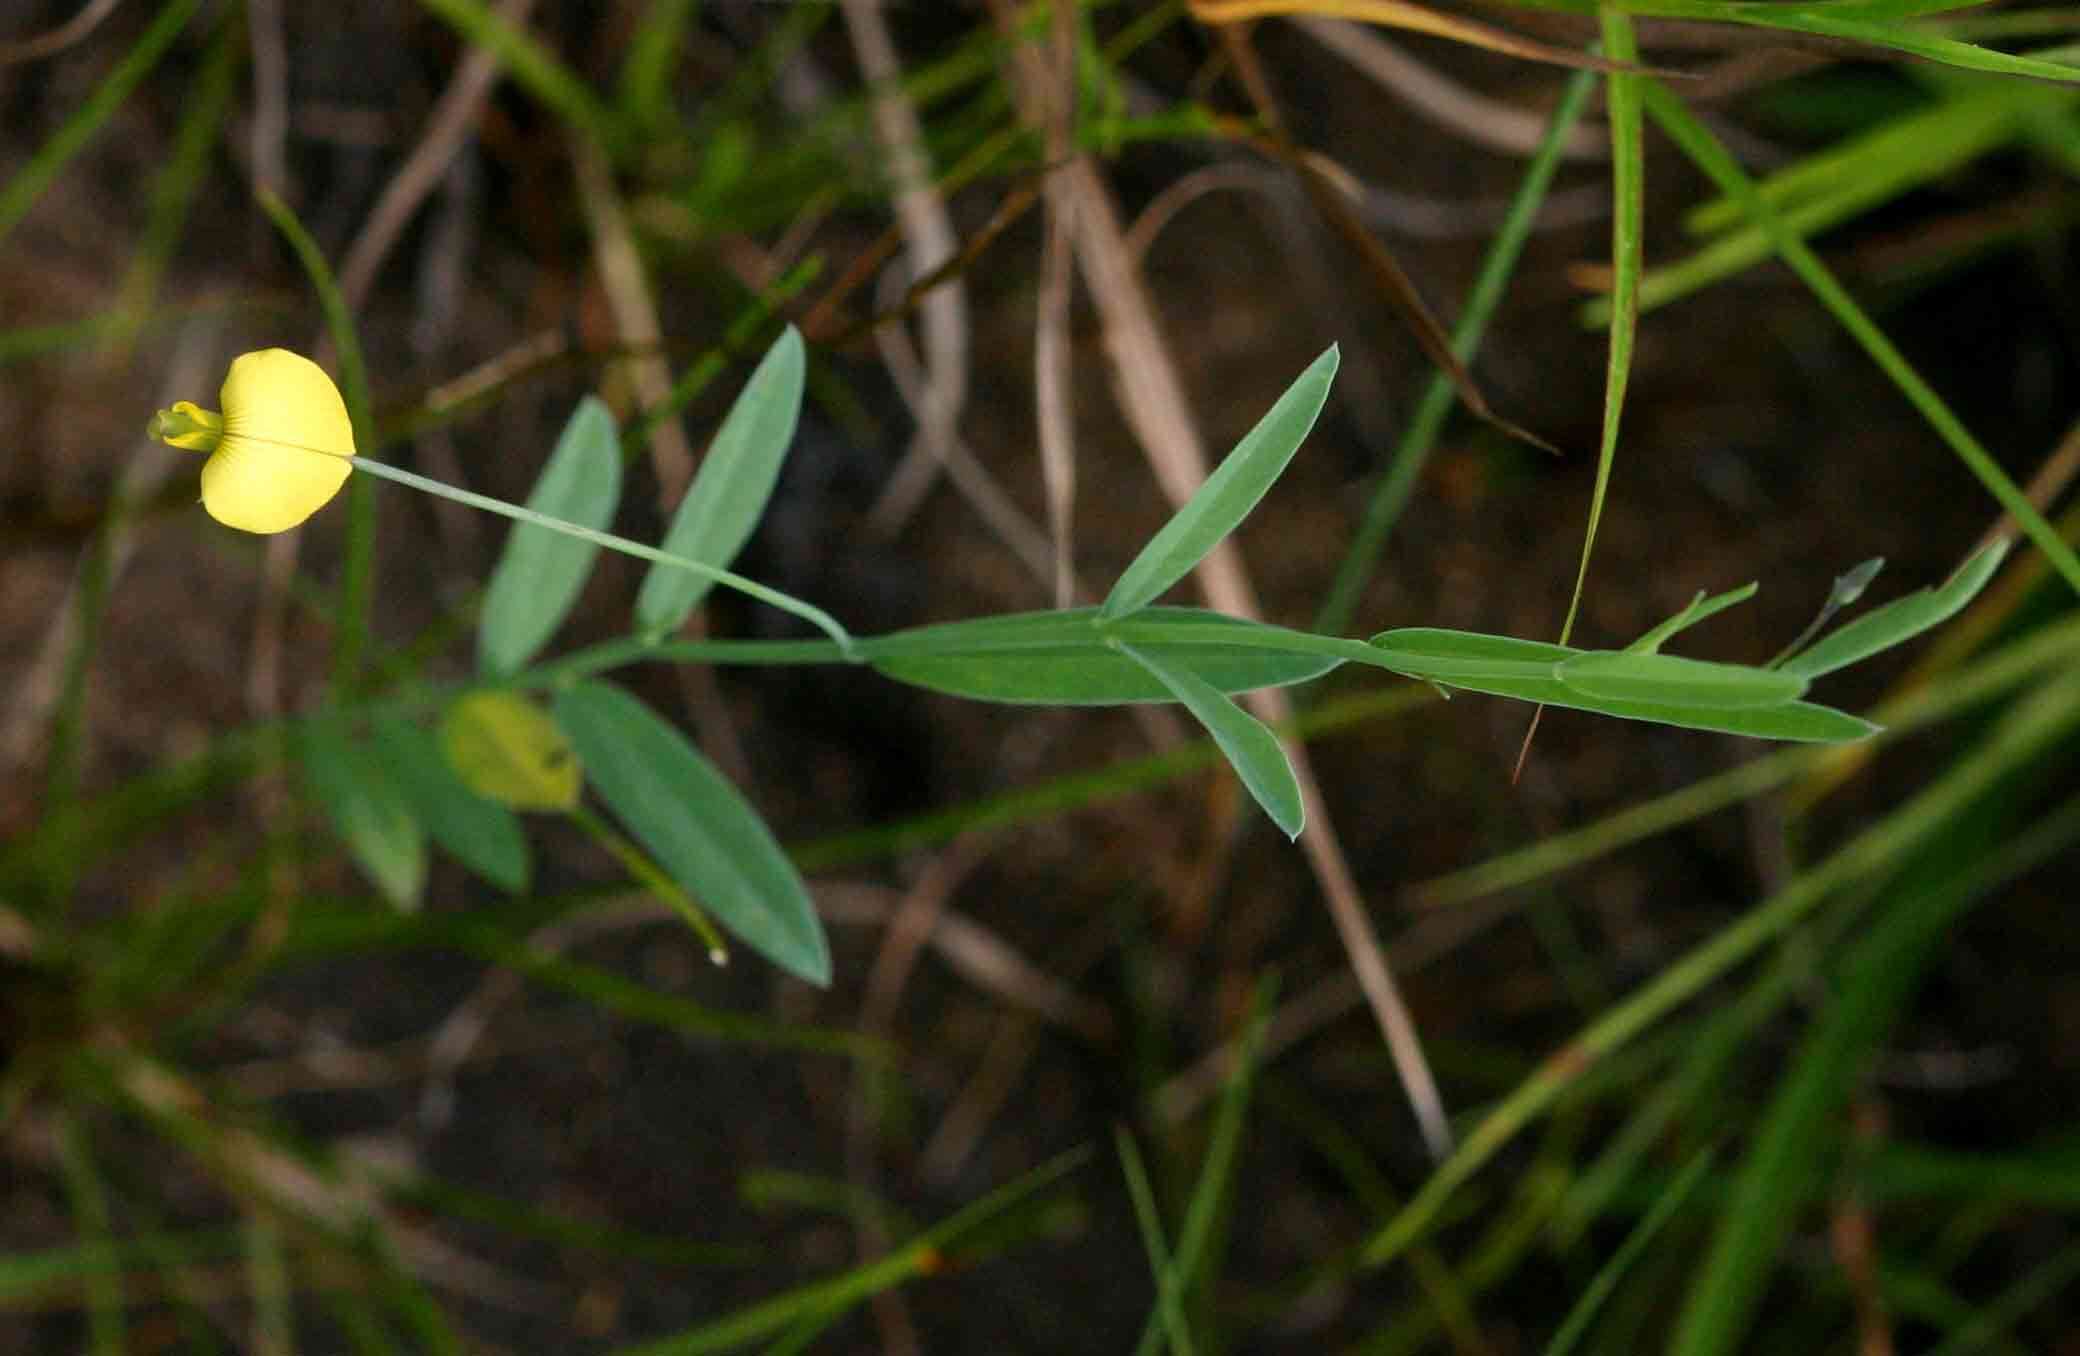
(697, 825)
(1228, 494)
(1529, 671)
(481, 834)
(729, 493)
(1456, 656)
(1700, 608)
(1669, 679)
(540, 572)
(1247, 742)
(1899, 620)
(372, 817)
(1062, 658)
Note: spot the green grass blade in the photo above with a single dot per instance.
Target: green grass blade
(175, 185)
(87, 1194)
(730, 491)
(1046, 799)
(1169, 1307)
(1867, 172)
(1941, 700)
(1413, 451)
(812, 1301)
(697, 825)
(267, 1280)
(1704, 149)
(1228, 495)
(1784, 1168)
(533, 67)
(540, 572)
(1250, 747)
(645, 94)
(1217, 1170)
(1607, 1277)
(357, 574)
(1628, 196)
(2044, 714)
(29, 182)
(2040, 1286)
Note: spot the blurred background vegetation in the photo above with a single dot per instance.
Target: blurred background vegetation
(1734, 1047)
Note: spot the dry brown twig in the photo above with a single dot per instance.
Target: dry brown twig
(55, 40)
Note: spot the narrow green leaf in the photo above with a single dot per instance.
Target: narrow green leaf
(1605, 1283)
(1251, 749)
(1228, 494)
(1628, 210)
(1062, 658)
(534, 67)
(373, 820)
(1900, 620)
(1213, 1195)
(1455, 656)
(1675, 681)
(1802, 722)
(1700, 608)
(645, 92)
(481, 834)
(730, 491)
(697, 825)
(540, 572)
(1528, 670)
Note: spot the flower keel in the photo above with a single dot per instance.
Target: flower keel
(278, 453)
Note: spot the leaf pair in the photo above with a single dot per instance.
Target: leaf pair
(1214, 511)
(541, 571)
(1074, 657)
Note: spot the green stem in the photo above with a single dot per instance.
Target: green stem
(848, 649)
(652, 879)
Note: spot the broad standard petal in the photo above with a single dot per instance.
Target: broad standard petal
(285, 443)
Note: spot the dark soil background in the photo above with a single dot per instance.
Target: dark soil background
(1759, 444)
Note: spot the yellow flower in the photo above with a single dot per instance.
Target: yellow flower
(278, 452)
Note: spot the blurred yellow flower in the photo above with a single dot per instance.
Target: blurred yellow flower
(278, 452)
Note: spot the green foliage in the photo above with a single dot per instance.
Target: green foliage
(696, 824)
(1068, 658)
(368, 808)
(1652, 1124)
(480, 833)
(1220, 505)
(541, 571)
(729, 493)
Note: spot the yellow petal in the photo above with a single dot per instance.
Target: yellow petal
(286, 433)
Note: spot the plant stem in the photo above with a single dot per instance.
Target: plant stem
(815, 616)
